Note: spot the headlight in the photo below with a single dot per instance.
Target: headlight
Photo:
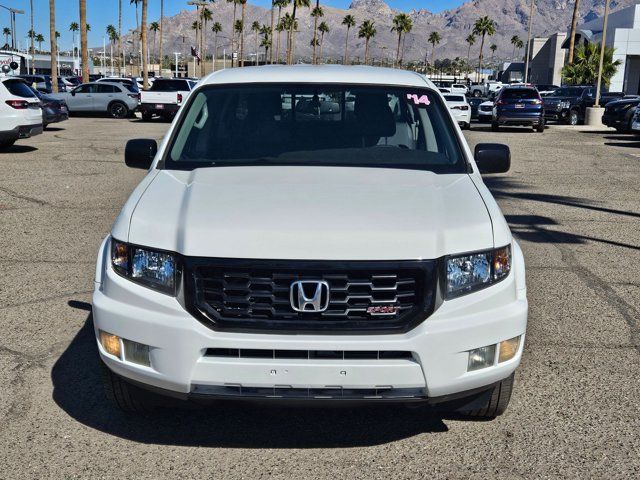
(564, 104)
(151, 268)
(471, 272)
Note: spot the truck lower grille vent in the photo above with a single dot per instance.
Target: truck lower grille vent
(309, 354)
(337, 393)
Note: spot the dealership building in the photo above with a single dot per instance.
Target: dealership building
(66, 65)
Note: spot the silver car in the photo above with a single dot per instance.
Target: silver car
(115, 99)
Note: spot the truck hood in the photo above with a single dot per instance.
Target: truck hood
(316, 213)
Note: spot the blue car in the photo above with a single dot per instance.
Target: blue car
(518, 105)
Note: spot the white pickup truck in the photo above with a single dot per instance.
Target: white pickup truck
(165, 97)
(485, 89)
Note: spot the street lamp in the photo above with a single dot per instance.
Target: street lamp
(13, 12)
(177, 54)
(526, 63)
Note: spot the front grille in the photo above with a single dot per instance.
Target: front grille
(255, 294)
(309, 354)
(326, 393)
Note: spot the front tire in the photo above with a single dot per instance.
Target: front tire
(497, 402)
(126, 397)
(118, 110)
(573, 118)
(494, 126)
(540, 126)
(147, 116)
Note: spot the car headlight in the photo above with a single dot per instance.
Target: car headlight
(474, 271)
(151, 268)
(564, 104)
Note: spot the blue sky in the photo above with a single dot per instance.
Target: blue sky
(101, 13)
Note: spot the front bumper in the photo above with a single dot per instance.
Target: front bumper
(556, 115)
(181, 362)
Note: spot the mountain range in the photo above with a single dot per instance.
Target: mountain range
(454, 25)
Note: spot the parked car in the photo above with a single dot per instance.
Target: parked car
(165, 97)
(384, 269)
(546, 89)
(444, 90)
(474, 103)
(459, 89)
(619, 114)
(54, 110)
(569, 104)
(485, 111)
(128, 82)
(114, 99)
(20, 112)
(71, 82)
(635, 122)
(518, 105)
(460, 109)
(485, 89)
(39, 82)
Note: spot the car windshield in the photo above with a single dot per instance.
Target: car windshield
(519, 94)
(294, 124)
(568, 92)
(454, 98)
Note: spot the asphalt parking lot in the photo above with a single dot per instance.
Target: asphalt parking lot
(572, 198)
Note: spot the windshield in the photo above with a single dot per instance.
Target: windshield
(454, 98)
(568, 92)
(297, 124)
(170, 86)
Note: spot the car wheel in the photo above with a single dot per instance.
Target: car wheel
(496, 403)
(44, 126)
(476, 93)
(125, 396)
(147, 116)
(467, 126)
(6, 143)
(118, 110)
(540, 126)
(494, 126)
(573, 118)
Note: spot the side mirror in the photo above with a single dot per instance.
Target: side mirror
(492, 157)
(139, 153)
(73, 93)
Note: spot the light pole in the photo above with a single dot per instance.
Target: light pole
(177, 54)
(602, 47)
(12, 13)
(198, 4)
(527, 58)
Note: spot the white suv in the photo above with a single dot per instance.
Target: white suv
(316, 233)
(20, 112)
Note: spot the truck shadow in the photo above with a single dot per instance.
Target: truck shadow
(77, 383)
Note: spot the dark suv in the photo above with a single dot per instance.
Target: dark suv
(518, 105)
(569, 104)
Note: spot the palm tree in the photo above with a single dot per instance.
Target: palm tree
(238, 27)
(120, 51)
(195, 26)
(265, 31)
(281, 26)
(160, 52)
(493, 49)
(138, 33)
(112, 33)
(514, 41)
(322, 28)
(145, 46)
(348, 21)
(53, 36)
(572, 34)
(84, 49)
(367, 31)
(233, 25)
(294, 25)
(255, 28)
(402, 24)
(206, 16)
(520, 46)
(6, 31)
(316, 13)
(483, 26)
(216, 28)
(242, 15)
(434, 39)
(278, 27)
(154, 27)
(471, 39)
(32, 36)
(584, 69)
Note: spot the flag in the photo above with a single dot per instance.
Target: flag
(195, 53)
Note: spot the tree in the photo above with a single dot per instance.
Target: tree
(322, 28)
(294, 25)
(471, 40)
(586, 60)
(195, 26)
(278, 27)
(206, 16)
(348, 21)
(367, 31)
(281, 26)
(255, 28)
(265, 31)
(137, 35)
(120, 51)
(493, 49)
(242, 15)
(233, 24)
(434, 39)
(154, 27)
(6, 31)
(316, 13)
(572, 34)
(32, 35)
(53, 36)
(483, 26)
(112, 33)
(514, 41)
(84, 48)
(216, 28)
(160, 51)
(145, 46)
(402, 24)
(520, 46)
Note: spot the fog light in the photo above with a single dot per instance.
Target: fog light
(136, 352)
(508, 349)
(111, 344)
(482, 357)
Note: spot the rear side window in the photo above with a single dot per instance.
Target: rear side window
(170, 86)
(19, 88)
(520, 93)
(101, 88)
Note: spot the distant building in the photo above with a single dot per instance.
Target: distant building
(66, 65)
(547, 59)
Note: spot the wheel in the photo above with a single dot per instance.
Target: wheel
(494, 126)
(496, 403)
(477, 93)
(540, 126)
(44, 126)
(467, 126)
(125, 396)
(147, 116)
(573, 118)
(6, 144)
(118, 110)
(167, 117)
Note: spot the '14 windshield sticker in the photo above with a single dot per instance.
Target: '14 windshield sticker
(418, 99)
